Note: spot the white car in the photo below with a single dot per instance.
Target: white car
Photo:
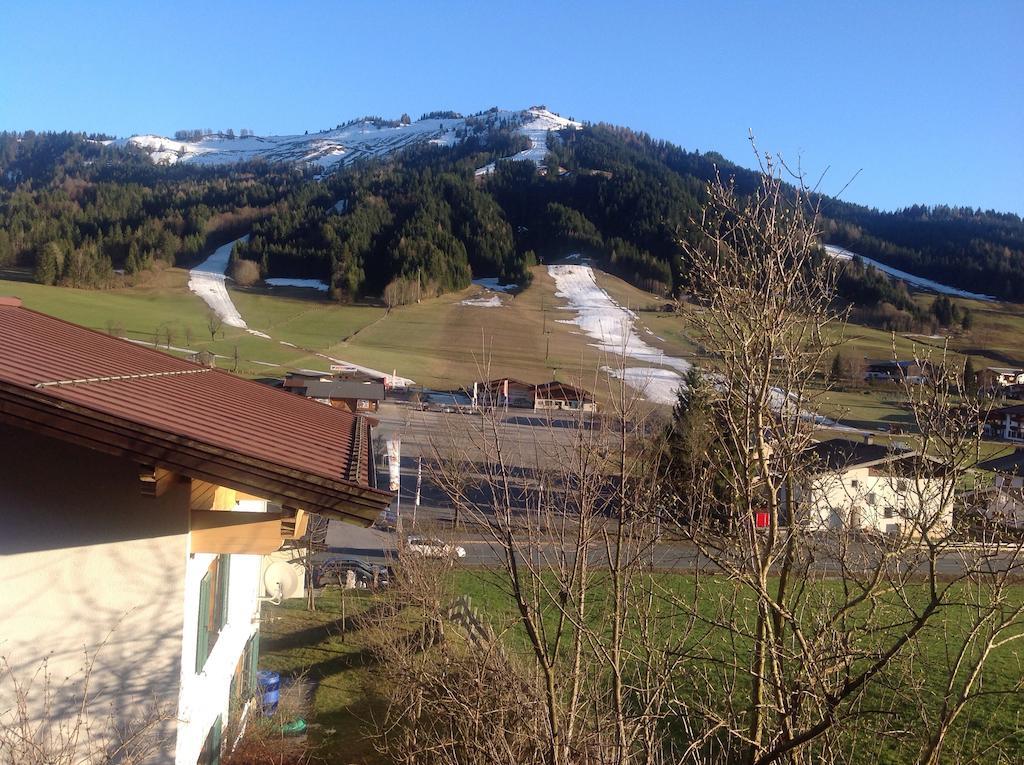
(434, 548)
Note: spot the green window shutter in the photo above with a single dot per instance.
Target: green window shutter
(203, 635)
(223, 589)
(217, 736)
(254, 662)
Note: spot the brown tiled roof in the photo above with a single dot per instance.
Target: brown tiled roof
(88, 387)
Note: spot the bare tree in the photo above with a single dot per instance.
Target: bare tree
(214, 322)
(805, 627)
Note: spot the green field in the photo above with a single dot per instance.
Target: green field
(296, 641)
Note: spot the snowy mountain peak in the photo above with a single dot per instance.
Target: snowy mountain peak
(358, 139)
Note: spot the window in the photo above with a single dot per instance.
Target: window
(871, 499)
(889, 512)
(854, 484)
(213, 608)
(901, 486)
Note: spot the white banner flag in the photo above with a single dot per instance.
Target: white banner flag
(395, 463)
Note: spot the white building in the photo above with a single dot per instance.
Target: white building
(866, 486)
(1001, 503)
(138, 495)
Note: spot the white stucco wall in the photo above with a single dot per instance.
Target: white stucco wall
(856, 498)
(89, 564)
(204, 696)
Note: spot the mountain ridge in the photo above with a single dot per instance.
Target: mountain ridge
(365, 138)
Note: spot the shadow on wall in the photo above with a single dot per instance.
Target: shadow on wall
(93, 574)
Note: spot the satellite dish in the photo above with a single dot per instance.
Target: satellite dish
(280, 577)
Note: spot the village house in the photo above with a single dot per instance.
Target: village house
(1001, 503)
(353, 391)
(138, 497)
(1007, 423)
(895, 371)
(503, 392)
(862, 485)
(350, 395)
(557, 395)
(998, 378)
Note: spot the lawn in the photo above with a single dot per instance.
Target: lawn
(295, 641)
(331, 652)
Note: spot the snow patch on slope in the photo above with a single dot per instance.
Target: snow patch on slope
(841, 253)
(537, 123)
(314, 284)
(483, 302)
(331, 149)
(207, 281)
(612, 327)
(328, 149)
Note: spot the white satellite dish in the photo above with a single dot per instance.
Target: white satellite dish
(281, 578)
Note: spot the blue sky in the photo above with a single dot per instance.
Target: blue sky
(925, 98)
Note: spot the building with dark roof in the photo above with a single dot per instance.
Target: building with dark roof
(350, 395)
(861, 485)
(1007, 422)
(139, 494)
(559, 395)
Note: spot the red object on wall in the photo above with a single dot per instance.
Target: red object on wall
(761, 520)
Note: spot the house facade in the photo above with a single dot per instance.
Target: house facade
(895, 371)
(503, 392)
(562, 396)
(139, 495)
(998, 378)
(350, 395)
(866, 486)
(1007, 423)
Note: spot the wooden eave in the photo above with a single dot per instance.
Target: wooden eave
(341, 499)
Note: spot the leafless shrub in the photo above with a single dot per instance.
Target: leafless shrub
(35, 730)
(245, 272)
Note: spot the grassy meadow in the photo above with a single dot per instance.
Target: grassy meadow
(336, 653)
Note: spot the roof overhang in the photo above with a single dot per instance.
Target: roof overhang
(344, 500)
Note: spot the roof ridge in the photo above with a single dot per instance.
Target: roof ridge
(112, 378)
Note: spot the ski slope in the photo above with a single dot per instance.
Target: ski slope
(840, 253)
(612, 328)
(207, 281)
(536, 125)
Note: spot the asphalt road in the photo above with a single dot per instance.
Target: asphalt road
(376, 546)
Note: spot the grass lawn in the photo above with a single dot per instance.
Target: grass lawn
(297, 641)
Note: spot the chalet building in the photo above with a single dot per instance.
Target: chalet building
(350, 395)
(138, 496)
(999, 378)
(1007, 423)
(503, 392)
(895, 371)
(557, 395)
(355, 392)
(867, 486)
(1002, 502)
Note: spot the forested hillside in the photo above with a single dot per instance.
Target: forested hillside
(79, 212)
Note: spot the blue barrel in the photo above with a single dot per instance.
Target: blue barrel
(270, 686)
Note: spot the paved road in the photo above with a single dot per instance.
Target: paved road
(375, 546)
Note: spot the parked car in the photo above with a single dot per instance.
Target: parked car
(434, 548)
(335, 571)
(386, 521)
